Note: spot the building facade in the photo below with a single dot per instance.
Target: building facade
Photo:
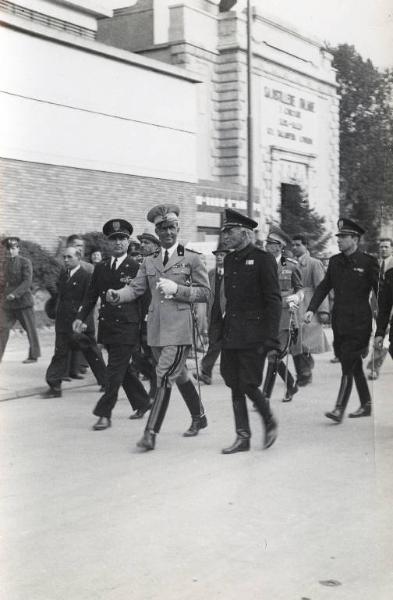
(84, 136)
(295, 104)
(106, 113)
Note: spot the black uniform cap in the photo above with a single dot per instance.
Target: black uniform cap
(232, 218)
(11, 241)
(346, 226)
(149, 237)
(117, 227)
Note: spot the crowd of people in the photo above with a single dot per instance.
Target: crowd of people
(264, 304)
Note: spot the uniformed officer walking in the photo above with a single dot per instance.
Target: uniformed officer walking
(292, 295)
(18, 300)
(352, 275)
(118, 326)
(177, 278)
(251, 324)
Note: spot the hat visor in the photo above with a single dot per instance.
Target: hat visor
(345, 232)
(123, 234)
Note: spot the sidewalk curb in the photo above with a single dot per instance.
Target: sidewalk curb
(14, 395)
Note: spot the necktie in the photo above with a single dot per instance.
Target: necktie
(114, 265)
(166, 258)
(68, 274)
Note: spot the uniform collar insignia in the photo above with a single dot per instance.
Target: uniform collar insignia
(180, 250)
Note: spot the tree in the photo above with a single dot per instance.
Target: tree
(298, 217)
(366, 140)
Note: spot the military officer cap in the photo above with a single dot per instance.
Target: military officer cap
(221, 249)
(277, 236)
(348, 227)
(149, 237)
(11, 242)
(163, 213)
(232, 218)
(117, 227)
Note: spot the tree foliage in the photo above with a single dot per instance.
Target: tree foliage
(366, 140)
(297, 217)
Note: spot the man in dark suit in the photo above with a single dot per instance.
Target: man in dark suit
(18, 300)
(215, 312)
(71, 291)
(352, 275)
(251, 325)
(119, 326)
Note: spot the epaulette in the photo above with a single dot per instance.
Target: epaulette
(291, 260)
(193, 251)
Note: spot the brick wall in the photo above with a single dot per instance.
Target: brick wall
(41, 202)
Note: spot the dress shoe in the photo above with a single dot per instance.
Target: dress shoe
(271, 431)
(196, 424)
(76, 376)
(27, 361)
(362, 411)
(373, 375)
(51, 393)
(102, 423)
(335, 415)
(290, 394)
(239, 445)
(335, 360)
(148, 441)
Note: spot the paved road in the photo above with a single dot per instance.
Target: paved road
(86, 517)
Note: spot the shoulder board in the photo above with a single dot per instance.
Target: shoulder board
(291, 260)
(190, 250)
(369, 255)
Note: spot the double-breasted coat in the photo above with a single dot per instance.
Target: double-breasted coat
(352, 278)
(118, 324)
(169, 320)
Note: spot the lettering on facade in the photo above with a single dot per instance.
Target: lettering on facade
(291, 110)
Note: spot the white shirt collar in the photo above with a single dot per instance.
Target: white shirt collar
(74, 270)
(278, 258)
(120, 259)
(170, 250)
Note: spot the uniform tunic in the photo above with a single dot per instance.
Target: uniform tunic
(352, 278)
(18, 281)
(290, 283)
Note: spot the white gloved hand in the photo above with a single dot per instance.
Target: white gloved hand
(292, 301)
(167, 287)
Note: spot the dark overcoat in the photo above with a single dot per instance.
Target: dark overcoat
(253, 299)
(71, 294)
(18, 280)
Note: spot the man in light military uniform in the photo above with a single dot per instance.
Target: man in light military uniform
(177, 278)
(292, 295)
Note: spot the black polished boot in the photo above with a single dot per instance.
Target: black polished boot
(243, 432)
(156, 417)
(263, 406)
(342, 399)
(364, 393)
(270, 379)
(147, 441)
(194, 405)
(241, 443)
(197, 423)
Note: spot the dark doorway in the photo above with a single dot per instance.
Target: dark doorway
(290, 194)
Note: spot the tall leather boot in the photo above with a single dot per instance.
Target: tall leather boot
(270, 379)
(364, 393)
(342, 399)
(194, 405)
(242, 425)
(285, 374)
(156, 417)
(263, 406)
